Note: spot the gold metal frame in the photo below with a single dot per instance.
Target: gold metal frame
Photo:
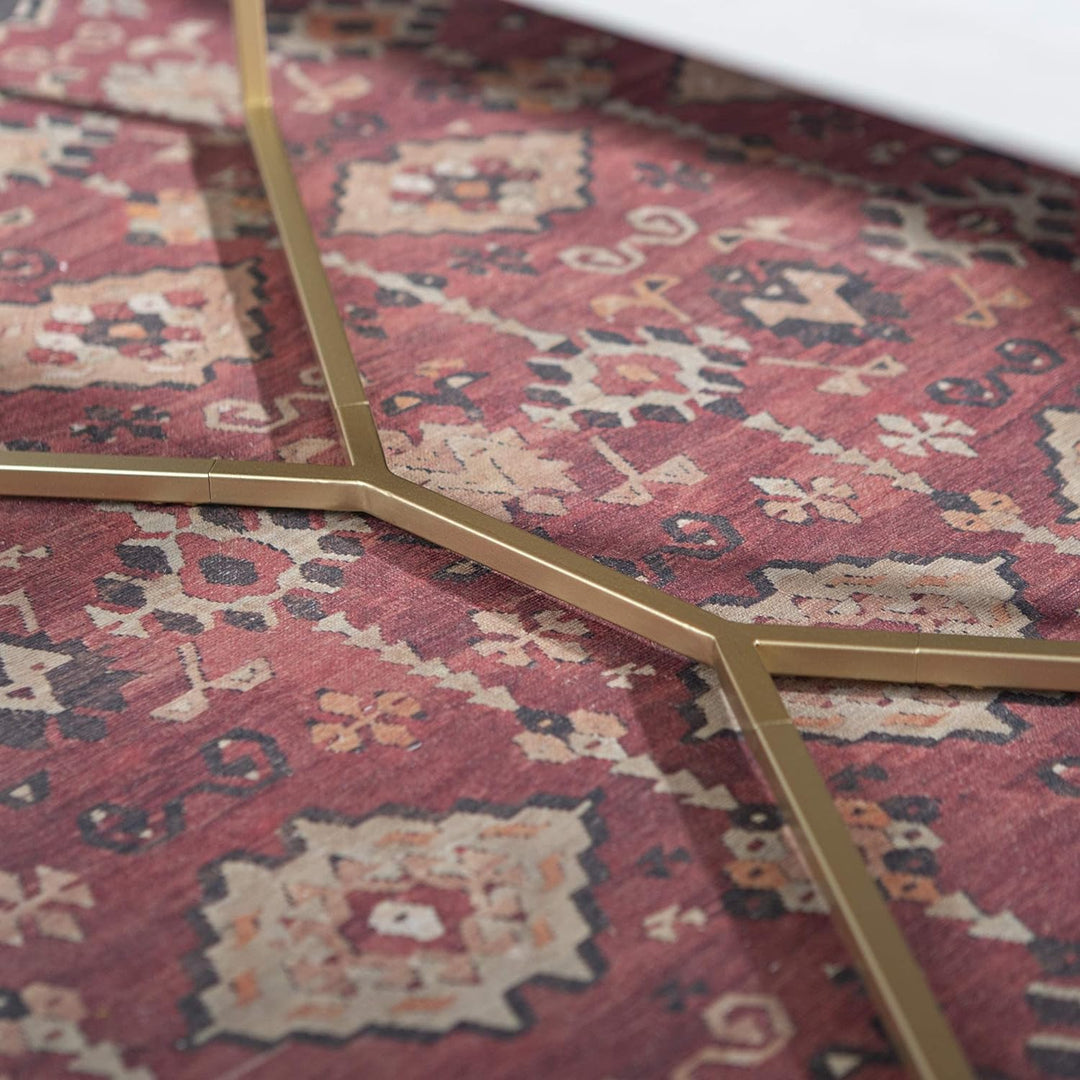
(746, 657)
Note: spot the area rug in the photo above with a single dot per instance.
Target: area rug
(290, 794)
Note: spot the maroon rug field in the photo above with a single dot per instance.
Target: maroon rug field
(291, 794)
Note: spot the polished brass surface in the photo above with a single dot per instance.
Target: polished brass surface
(745, 656)
(100, 476)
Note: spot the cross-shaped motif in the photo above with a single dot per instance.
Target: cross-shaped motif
(745, 657)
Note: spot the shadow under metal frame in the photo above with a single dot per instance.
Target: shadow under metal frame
(745, 656)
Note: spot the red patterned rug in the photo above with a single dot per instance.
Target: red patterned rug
(293, 794)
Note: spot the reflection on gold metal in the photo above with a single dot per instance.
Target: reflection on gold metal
(746, 657)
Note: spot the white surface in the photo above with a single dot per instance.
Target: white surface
(1003, 73)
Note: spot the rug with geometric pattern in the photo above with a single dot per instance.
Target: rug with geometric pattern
(286, 793)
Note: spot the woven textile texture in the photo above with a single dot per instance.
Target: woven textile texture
(289, 794)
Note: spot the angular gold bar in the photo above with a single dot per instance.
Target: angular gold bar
(104, 476)
(555, 570)
(361, 436)
(320, 310)
(894, 980)
(279, 484)
(1016, 663)
(938, 659)
(827, 652)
